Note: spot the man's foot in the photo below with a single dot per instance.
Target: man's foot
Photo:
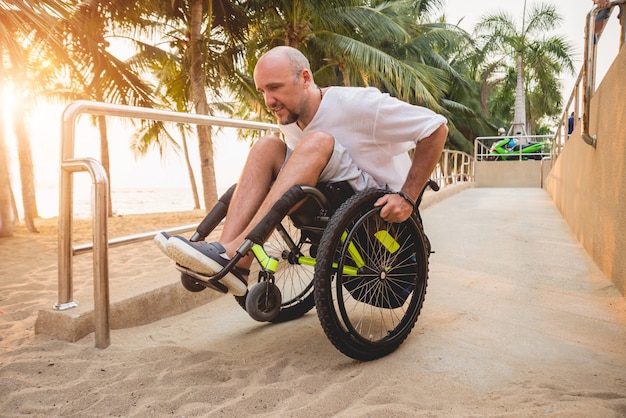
(205, 258)
(160, 240)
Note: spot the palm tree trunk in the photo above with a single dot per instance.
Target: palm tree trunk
(519, 118)
(192, 178)
(104, 158)
(6, 215)
(198, 94)
(27, 176)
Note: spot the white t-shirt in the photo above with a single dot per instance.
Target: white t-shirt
(376, 129)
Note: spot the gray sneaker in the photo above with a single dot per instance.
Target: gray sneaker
(160, 240)
(207, 259)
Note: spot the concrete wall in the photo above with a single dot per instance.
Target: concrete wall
(589, 185)
(508, 173)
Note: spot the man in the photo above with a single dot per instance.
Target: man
(603, 15)
(570, 124)
(356, 135)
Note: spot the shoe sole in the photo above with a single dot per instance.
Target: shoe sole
(161, 241)
(187, 257)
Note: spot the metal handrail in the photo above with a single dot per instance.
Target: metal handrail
(482, 145)
(589, 67)
(453, 167)
(585, 83)
(562, 132)
(70, 165)
(133, 239)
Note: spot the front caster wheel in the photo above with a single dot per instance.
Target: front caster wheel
(190, 283)
(263, 301)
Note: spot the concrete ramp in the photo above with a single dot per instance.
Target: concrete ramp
(512, 293)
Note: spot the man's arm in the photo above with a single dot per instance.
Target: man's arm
(427, 152)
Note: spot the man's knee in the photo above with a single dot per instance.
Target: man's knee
(269, 146)
(267, 142)
(316, 144)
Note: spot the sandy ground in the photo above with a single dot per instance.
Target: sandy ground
(498, 335)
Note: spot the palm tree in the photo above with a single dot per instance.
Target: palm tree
(27, 175)
(535, 57)
(36, 81)
(6, 215)
(197, 78)
(358, 43)
(96, 73)
(466, 98)
(203, 34)
(25, 27)
(171, 92)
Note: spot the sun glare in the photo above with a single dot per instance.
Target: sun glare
(7, 105)
(41, 129)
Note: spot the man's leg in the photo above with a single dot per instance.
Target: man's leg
(264, 162)
(303, 167)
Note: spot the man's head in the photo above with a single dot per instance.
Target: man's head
(283, 75)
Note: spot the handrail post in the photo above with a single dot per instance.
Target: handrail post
(446, 168)
(66, 187)
(100, 246)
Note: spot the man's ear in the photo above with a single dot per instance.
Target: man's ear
(307, 78)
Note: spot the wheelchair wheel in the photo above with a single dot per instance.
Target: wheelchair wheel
(190, 283)
(370, 278)
(294, 280)
(263, 302)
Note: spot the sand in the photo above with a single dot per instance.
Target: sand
(483, 346)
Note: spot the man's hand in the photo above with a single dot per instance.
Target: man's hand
(395, 208)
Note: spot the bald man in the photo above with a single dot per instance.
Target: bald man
(359, 136)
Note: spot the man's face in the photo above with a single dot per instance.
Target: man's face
(282, 92)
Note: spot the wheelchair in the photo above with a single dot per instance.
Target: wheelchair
(366, 277)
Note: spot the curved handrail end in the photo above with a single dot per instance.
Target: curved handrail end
(590, 140)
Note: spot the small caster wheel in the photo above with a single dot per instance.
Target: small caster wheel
(191, 284)
(263, 301)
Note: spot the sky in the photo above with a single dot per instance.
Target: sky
(152, 172)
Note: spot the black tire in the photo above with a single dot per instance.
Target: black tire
(295, 281)
(367, 315)
(190, 283)
(263, 302)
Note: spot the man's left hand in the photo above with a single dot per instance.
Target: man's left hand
(395, 208)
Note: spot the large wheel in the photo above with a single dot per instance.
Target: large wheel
(294, 280)
(370, 278)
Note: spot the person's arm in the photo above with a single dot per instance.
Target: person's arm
(602, 16)
(397, 208)
(601, 3)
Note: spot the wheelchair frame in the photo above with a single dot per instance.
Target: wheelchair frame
(366, 277)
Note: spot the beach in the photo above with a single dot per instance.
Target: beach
(486, 344)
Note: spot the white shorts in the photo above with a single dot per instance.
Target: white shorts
(340, 167)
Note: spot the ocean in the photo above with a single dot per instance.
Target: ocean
(125, 201)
